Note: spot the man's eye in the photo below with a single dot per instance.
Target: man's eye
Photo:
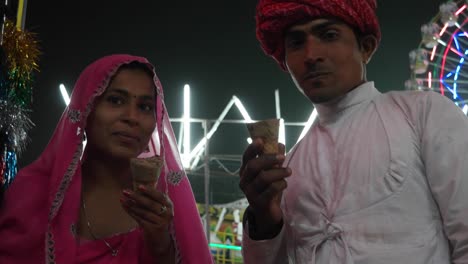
(294, 43)
(330, 35)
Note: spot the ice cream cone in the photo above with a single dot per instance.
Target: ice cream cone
(146, 171)
(268, 131)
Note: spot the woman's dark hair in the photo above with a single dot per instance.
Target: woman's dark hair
(136, 65)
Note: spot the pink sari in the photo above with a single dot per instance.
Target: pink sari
(41, 207)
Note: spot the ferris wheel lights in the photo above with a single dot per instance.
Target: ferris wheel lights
(418, 84)
(448, 14)
(455, 40)
(429, 79)
(443, 29)
(465, 109)
(430, 35)
(442, 42)
(412, 85)
(456, 52)
(433, 52)
(418, 61)
(446, 70)
(460, 10)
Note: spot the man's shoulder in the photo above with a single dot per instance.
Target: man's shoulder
(427, 97)
(417, 105)
(414, 99)
(410, 95)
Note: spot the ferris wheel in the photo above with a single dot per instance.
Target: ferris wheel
(440, 61)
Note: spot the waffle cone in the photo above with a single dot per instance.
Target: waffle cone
(146, 171)
(268, 131)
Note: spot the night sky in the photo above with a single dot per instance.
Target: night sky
(208, 44)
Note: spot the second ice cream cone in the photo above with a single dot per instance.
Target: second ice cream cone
(267, 130)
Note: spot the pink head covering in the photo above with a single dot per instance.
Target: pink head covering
(275, 16)
(42, 205)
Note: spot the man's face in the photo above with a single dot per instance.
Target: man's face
(325, 59)
(123, 118)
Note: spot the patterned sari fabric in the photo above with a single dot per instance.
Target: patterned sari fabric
(41, 208)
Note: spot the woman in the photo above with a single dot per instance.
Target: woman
(75, 207)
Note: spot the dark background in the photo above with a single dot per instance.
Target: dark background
(208, 44)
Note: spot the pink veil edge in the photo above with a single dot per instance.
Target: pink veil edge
(55, 176)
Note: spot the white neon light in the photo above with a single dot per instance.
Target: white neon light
(220, 219)
(64, 93)
(429, 81)
(186, 125)
(277, 104)
(181, 134)
(66, 100)
(242, 110)
(196, 152)
(237, 220)
(309, 123)
(465, 109)
(282, 132)
(282, 129)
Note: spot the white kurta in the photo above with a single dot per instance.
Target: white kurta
(379, 179)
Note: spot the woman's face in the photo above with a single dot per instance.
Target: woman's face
(123, 119)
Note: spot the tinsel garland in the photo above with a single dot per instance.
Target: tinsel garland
(19, 54)
(14, 126)
(8, 166)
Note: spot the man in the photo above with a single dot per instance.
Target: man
(379, 178)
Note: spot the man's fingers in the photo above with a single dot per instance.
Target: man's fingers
(267, 178)
(281, 148)
(269, 198)
(271, 180)
(275, 188)
(257, 165)
(252, 151)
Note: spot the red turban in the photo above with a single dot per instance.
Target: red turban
(275, 16)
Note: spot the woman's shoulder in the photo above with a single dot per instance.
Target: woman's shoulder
(27, 195)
